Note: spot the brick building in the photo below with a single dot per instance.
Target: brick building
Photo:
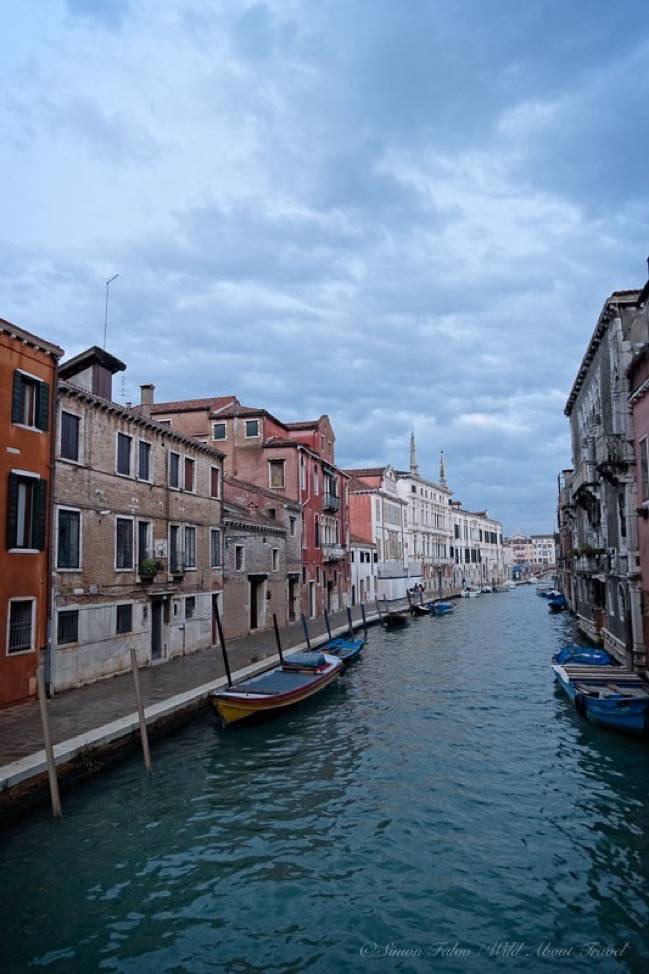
(262, 561)
(138, 535)
(296, 460)
(27, 382)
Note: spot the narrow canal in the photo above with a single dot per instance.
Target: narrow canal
(441, 808)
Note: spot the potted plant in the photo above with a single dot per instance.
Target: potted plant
(147, 569)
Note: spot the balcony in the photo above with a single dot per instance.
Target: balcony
(584, 474)
(330, 502)
(333, 552)
(613, 451)
(592, 563)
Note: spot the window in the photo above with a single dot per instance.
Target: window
(20, 635)
(252, 427)
(190, 467)
(174, 469)
(30, 404)
(215, 547)
(276, 473)
(123, 543)
(190, 606)
(143, 542)
(175, 555)
(351, 555)
(124, 618)
(190, 547)
(68, 539)
(275, 559)
(317, 532)
(238, 557)
(67, 626)
(291, 526)
(124, 454)
(164, 422)
(215, 482)
(70, 428)
(218, 431)
(26, 512)
(144, 461)
(644, 470)
(316, 479)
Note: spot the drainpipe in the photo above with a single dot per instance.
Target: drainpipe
(51, 587)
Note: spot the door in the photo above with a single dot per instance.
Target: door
(254, 589)
(292, 597)
(156, 629)
(312, 599)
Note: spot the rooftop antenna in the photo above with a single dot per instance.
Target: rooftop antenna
(113, 278)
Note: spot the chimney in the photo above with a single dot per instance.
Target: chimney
(146, 398)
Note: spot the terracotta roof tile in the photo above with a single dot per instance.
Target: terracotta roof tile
(185, 405)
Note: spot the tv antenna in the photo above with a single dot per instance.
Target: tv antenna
(113, 278)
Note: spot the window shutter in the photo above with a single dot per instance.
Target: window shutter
(43, 406)
(39, 514)
(12, 512)
(18, 401)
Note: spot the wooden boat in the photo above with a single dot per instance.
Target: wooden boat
(301, 676)
(544, 590)
(345, 648)
(420, 610)
(442, 608)
(470, 593)
(557, 602)
(395, 620)
(607, 695)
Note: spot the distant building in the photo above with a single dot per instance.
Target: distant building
(363, 560)
(477, 548)
(27, 383)
(138, 547)
(543, 553)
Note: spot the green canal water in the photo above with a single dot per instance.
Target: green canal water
(440, 808)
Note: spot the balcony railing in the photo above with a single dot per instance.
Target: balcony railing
(584, 474)
(613, 450)
(333, 552)
(330, 502)
(176, 562)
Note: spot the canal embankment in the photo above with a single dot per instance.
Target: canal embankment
(95, 726)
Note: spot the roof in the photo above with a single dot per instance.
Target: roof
(361, 541)
(139, 418)
(192, 405)
(274, 495)
(306, 424)
(30, 339)
(365, 471)
(254, 518)
(89, 357)
(617, 297)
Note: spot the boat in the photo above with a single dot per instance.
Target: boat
(584, 655)
(486, 589)
(544, 590)
(420, 610)
(395, 620)
(609, 696)
(345, 648)
(441, 608)
(300, 676)
(470, 593)
(557, 602)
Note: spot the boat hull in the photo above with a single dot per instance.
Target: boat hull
(628, 715)
(234, 706)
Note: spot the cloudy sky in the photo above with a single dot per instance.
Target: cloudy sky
(404, 213)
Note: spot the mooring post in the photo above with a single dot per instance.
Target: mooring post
(224, 651)
(349, 621)
(326, 619)
(306, 631)
(49, 753)
(408, 597)
(278, 640)
(364, 617)
(378, 609)
(144, 736)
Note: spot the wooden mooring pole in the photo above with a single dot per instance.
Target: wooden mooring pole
(378, 609)
(278, 640)
(219, 626)
(326, 619)
(144, 735)
(306, 631)
(49, 752)
(364, 617)
(350, 623)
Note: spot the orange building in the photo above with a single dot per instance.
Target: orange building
(27, 391)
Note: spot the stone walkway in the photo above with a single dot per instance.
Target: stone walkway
(76, 712)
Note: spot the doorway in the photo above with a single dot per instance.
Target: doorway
(157, 609)
(292, 598)
(256, 595)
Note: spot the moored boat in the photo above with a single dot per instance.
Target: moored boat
(395, 620)
(346, 649)
(420, 610)
(442, 608)
(299, 677)
(606, 695)
(557, 602)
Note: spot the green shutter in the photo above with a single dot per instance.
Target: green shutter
(18, 401)
(39, 514)
(43, 406)
(12, 512)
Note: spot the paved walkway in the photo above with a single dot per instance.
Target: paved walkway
(76, 712)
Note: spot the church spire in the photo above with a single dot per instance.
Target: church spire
(442, 469)
(414, 469)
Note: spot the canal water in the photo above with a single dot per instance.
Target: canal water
(440, 808)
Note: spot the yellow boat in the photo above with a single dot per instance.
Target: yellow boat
(299, 677)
